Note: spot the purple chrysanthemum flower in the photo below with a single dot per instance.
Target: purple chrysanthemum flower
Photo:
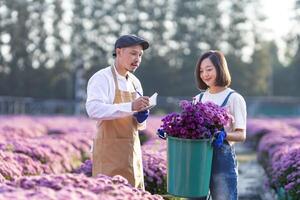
(196, 121)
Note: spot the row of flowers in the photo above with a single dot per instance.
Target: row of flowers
(45, 145)
(279, 153)
(72, 187)
(35, 149)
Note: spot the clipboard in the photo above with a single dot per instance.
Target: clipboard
(152, 101)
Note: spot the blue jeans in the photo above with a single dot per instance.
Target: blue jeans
(224, 174)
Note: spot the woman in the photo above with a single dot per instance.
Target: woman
(212, 75)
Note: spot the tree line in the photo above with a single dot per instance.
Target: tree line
(42, 41)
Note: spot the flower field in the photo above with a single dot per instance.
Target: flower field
(49, 158)
(278, 149)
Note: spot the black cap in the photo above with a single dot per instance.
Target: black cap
(130, 40)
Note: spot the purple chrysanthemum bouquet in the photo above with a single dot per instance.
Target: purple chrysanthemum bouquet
(196, 120)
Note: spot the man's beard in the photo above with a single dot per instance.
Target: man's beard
(131, 70)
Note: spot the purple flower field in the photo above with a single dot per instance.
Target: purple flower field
(73, 187)
(278, 151)
(49, 158)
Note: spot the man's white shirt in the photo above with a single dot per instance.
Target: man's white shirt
(101, 94)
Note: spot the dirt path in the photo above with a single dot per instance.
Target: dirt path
(251, 176)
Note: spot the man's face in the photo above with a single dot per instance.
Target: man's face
(130, 57)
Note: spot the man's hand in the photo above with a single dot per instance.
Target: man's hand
(141, 116)
(219, 138)
(140, 103)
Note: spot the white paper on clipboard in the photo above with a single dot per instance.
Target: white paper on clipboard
(152, 101)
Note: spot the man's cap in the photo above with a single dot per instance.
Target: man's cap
(130, 40)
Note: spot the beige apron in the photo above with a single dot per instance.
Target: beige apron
(117, 149)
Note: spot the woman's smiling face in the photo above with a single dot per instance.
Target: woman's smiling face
(208, 72)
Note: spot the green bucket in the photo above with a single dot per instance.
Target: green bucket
(189, 167)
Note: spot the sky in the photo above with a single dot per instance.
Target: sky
(279, 14)
(279, 21)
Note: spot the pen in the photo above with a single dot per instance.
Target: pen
(137, 91)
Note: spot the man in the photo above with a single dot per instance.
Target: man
(114, 99)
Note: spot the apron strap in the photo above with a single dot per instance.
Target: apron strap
(226, 99)
(117, 85)
(115, 77)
